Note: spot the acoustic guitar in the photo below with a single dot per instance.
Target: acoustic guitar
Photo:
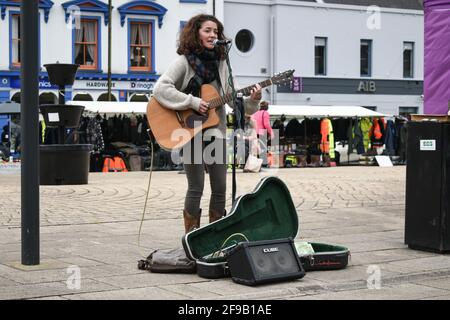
(172, 129)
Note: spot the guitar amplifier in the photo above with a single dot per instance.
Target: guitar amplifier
(258, 262)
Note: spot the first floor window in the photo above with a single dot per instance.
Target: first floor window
(15, 40)
(408, 59)
(140, 46)
(366, 58)
(244, 40)
(86, 44)
(320, 56)
(373, 108)
(407, 111)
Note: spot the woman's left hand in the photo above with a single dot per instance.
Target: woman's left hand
(255, 93)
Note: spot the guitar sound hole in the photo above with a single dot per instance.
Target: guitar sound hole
(195, 120)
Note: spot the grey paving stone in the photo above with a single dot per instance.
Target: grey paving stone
(4, 282)
(440, 283)
(145, 279)
(444, 297)
(95, 226)
(419, 264)
(377, 257)
(401, 292)
(192, 292)
(347, 275)
(149, 293)
(49, 289)
(50, 298)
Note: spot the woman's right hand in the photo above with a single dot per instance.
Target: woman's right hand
(203, 108)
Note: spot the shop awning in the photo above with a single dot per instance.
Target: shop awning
(299, 111)
(9, 107)
(112, 107)
(322, 111)
(289, 111)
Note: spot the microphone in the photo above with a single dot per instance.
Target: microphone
(218, 42)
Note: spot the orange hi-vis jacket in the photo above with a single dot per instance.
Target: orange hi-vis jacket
(115, 164)
(327, 141)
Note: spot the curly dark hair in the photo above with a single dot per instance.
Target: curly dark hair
(189, 38)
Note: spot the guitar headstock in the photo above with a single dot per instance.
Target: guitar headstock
(283, 77)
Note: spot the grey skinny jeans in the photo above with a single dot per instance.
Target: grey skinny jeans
(213, 155)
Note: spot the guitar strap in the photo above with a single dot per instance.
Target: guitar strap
(194, 86)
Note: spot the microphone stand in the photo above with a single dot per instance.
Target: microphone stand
(238, 123)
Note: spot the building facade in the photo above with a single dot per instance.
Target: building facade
(144, 38)
(344, 52)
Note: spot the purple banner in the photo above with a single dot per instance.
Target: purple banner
(296, 84)
(437, 56)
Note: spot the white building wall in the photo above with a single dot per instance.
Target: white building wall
(344, 29)
(56, 34)
(4, 47)
(56, 45)
(296, 24)
(256, 18)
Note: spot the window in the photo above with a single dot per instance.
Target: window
(48, 98)
(244, 40)
(104, 97)
(408, 59)
(16, 97)
(86, 44)
(83, 97)
(138, 97)
(15, 40)
(407, 111)
(320, 56)
(140, 46)
(373, 108)
(366, 58)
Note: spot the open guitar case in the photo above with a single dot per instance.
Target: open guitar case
(267, 213)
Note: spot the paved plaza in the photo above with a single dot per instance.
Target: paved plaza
(93, 229)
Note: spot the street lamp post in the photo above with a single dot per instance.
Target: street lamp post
(29, 25)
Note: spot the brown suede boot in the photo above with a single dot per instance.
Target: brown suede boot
(215, 215)
(191, 222)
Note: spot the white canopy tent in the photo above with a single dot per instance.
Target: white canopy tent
(298, 111)
(275, 111)
(9, 107)
(111, 107)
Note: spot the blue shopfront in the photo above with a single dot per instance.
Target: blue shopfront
(87, 87)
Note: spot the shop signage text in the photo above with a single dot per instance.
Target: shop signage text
(116, 85)
(367, 86)
(43, 84)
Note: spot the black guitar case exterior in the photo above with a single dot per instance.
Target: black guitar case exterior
(267, 213)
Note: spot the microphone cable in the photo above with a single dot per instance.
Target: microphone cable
(146, 195)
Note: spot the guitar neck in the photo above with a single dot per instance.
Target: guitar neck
(217, 102)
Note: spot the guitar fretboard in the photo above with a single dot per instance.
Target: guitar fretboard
(217, 102)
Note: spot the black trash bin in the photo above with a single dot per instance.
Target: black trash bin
(64, 164)
(427, 221)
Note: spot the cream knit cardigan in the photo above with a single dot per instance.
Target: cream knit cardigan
(169, 87)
